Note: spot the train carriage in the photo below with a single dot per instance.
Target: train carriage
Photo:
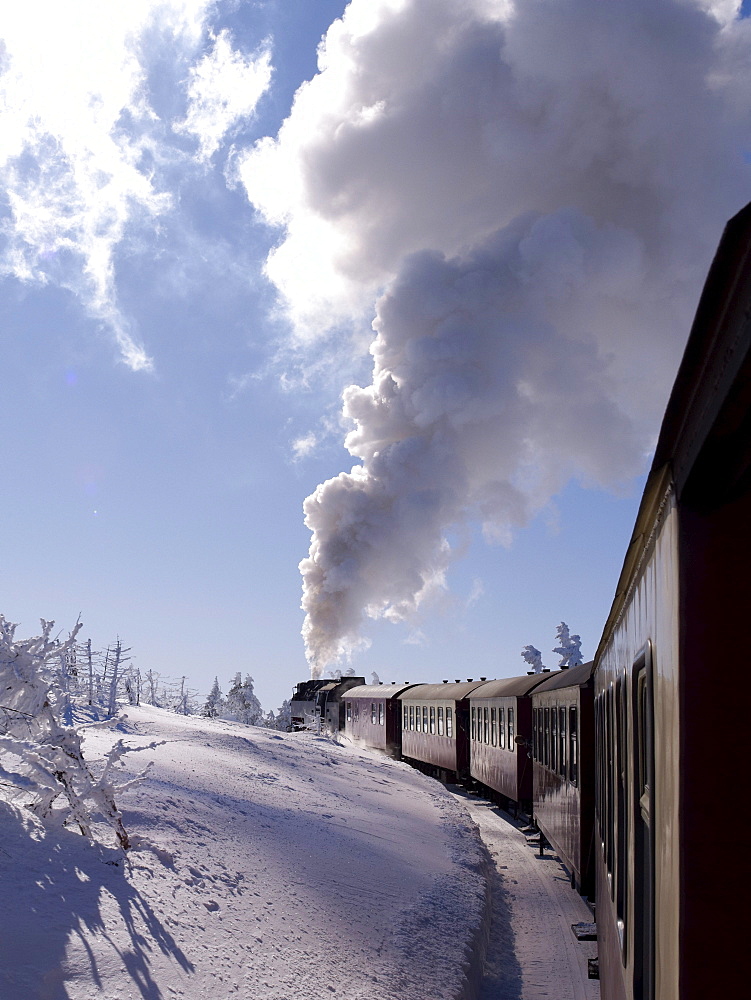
(563, 772)
(500, 728)
(435, 727)
(670, 753)
(372, 717)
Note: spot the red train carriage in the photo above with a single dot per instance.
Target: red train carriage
(372, 717)
(670, 755)
(563, 742)
(500, 734)
(435, 728)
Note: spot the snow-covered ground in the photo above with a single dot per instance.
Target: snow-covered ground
(265, 865)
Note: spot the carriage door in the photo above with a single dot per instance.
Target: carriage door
(644, 804)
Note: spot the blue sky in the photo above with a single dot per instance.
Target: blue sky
(189, 278)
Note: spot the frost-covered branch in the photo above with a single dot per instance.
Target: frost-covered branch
(41, 756)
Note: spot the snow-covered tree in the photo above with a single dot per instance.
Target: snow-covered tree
(214, 701)
(41, 758)
(241, 704)
(282, 721)
(534, 659)
(284, 717)
(568, 647)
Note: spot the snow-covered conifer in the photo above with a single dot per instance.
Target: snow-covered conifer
(284, 717)
(568, 647)
(242, 704)
(214, 701)
(534, 659)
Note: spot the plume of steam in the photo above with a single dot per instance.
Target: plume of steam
(535, 199)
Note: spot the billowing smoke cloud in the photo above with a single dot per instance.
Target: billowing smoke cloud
(535, 191)
(82, 147)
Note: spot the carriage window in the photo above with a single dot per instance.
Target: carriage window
(562, 741)
(440, 721)
(502, 725)
(380, 713)
(474, 723)
(432, 719)
(573, 759)
(535, 733)
(449, 723)
(553, 738)
(546, 737)
(418, 719)
(620, 784)
(349, 711)
(510, 744)
(372, 713)
(485, 726)
(411, 716)
(493, 727)
(425, 718)
(405, 717)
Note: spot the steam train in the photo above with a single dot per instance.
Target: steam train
(634, 766)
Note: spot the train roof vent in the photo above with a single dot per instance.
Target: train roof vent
(457, 681)
(469, 680)
(483, 678)
(445, 682)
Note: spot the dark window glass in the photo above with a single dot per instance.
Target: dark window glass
(432, 719)
(573, 747)
(502, 725)
(474, 723)
(380, 713)
(412, 717)
(373, 718)
(440, 721)
(553, 738)
(485, 726)
(620, 784)
(493, 727)
(418, 719)
(546, 737)
(449, 723)
(425, 718)
(510, 745)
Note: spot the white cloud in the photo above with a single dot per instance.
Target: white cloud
(535, 191)
(225, 88)
(304, 446)
(79, 143)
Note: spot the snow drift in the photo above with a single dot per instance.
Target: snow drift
(263, 866)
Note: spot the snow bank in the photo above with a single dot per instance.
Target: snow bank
(265, 865)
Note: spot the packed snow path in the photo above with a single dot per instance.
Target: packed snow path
(266, 866)
(532, 953)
